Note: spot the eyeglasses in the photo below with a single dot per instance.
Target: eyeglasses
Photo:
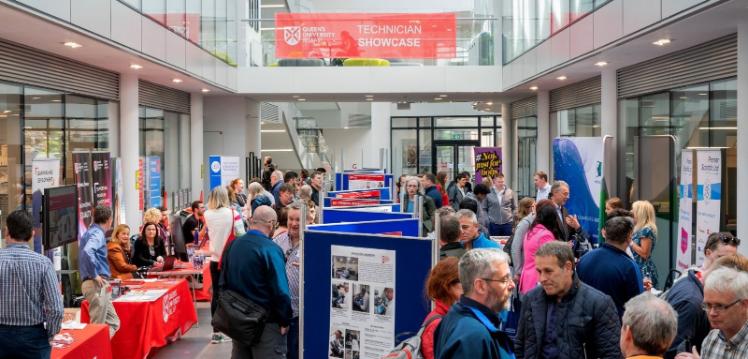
(503, 281)
(719, 308)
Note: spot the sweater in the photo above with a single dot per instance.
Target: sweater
(535, 238)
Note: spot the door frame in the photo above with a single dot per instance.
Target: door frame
(454, 144)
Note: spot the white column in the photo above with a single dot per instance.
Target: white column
(129, 146)
(609, 121)
(254, 139)
(742, 131)
(196, 149)
(507, 148)
(379, 135)
(544, 133)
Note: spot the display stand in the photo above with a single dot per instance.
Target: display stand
(334, 215)
(396, 227)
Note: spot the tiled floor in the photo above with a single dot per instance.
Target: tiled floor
(196, 343)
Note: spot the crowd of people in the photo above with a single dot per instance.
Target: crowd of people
(573, 298)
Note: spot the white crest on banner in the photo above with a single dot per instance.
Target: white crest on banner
(292, 35)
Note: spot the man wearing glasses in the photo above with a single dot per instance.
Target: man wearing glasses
(726, 305)
(471, 327)
(564, 318)
(687, 295)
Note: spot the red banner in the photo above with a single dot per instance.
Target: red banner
(352, 202)
(359, 194)
(399, 36)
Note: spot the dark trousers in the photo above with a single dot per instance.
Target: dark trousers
(292, 339)
(24, 342)
(500, 229)
(272, 345)
(215, 276)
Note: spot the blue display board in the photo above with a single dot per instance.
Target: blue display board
(401, 227)
(412, 266)
(331, 215)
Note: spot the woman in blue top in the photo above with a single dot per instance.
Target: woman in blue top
(643, 239)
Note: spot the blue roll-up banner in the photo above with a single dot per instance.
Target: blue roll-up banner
(154, 181)
(361, 292)
(393, 227)
(214, 164)
(573, 156)
(348, 215)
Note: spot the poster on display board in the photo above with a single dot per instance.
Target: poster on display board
(488, 162)
(82, 174)
(101, 178)
(369, 35)
(365, 181)
(359, 194)
(362, 316)
(708, 198)
(223, 169)
(573, 156)
(45, 173)
(685, 212)
(154, 181)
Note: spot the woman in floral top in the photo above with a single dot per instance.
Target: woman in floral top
(644, 238)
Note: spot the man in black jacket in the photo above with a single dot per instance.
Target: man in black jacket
(565, 318)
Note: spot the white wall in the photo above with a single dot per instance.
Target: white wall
(361, 146)
(439, 109)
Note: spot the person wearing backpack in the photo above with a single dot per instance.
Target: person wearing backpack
(444, 288)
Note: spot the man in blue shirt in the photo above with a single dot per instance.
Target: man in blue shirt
(471, 236)
(30, 300)
(94, 270)
(428, 182)
(608, 268)
(255, 267)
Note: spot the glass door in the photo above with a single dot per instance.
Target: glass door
(454, 157)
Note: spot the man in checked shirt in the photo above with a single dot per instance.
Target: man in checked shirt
(30, 301)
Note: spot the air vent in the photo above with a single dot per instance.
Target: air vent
(359, 120)
(269, 113)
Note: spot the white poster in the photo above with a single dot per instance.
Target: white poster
(45, 173)
(365, 181)
(229, 169)
(685, 214)
(708, 203)
(362, 314)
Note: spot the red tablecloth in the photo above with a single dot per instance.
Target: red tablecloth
(203, 294)
(89, 342)
(147, 325)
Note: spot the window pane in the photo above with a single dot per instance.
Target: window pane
(156, 10)
(404, 152)
(424, 122)
(723, 133)
(560, 15)
(152, 139)
(221, 50)
(175, 17)
(457, 134)
(192, 21)
(579, 8)
(487, 122)
(586, 121)
(424, 155)
(43, 130)
(527, 136)
(208, 25)
(654, 114)
(690, 116)
(487, 137)
(11, 172)
(542, 9)
(456, 122)
(84, 128)
(629, 119)
(171, 153)
(404, 122)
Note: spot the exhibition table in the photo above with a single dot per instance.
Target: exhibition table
(187, 270)
(89, 342)
(153, 313)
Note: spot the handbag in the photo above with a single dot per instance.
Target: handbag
(236, 316)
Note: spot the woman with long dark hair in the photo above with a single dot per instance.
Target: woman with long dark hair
(149, 248)
(545, 228)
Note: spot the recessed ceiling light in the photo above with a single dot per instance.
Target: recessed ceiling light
(72, 45)
(136, 67)
(369, 99)
(35, 98)
(443, 95)
(561, 78)
(345, 127)
(56, 100)
(533, 88)
(662, 42)
(437, 98)
(703, 94)
(368, 95)
(489, 103)
(176, 81)
(7, 111)
(205, 90)
(684, 97)
(301, 99)
(295, 96)
(601, 63)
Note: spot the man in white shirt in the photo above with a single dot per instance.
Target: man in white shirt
(542, 186)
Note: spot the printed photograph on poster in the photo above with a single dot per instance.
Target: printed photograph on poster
(361, 298)
(340, 296)
(337, 344)
(352, 344)
(345, 268)
(384, 299)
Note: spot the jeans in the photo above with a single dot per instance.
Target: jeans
(293, 339)
(100, 307)
(24, 342)
(215, 276)
(500, 229)
(272, 345)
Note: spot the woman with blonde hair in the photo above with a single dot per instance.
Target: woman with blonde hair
(644, 238)
(118, 253)
(258, 196)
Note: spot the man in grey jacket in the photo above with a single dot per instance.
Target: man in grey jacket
(502, 205)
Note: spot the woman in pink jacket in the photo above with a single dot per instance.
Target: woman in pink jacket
(545, 228)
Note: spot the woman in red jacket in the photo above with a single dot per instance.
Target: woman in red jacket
(441, 185)
(444, 288)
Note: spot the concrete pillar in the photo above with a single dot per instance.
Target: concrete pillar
(129, 138)
(196, 149)
(254, 139)
(609, 122)
(544, 133)
(507, 145)
(742, 131)
(379, 135)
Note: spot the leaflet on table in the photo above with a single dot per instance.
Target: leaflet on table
(362, 314)
(140, 295)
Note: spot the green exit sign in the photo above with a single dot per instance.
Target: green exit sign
(456, 136)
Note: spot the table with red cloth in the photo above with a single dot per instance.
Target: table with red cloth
(184, 270)
(148, 325)
(89, 342)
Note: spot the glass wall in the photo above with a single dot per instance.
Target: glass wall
(209, 24)
(527, 138)
(413, 141)
(527, 23)
(11, 155)
(576, 122)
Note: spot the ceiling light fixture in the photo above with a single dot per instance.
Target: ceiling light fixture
(301, 99)
(273, 6)
(369, 99)
(662, 42)
(437, 98)
(601, 64)
(489, 103)
(72, 45)
(7, 111)
(561, 78)
(443, 95)
(295, 96)
(205, 90)
(177, 81)
(136, 67)
(533, 88)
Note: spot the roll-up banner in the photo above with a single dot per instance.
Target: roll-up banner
(341, 35)
(685, 212)
(488, 162)
(223, 169)
(82, 174)
(154, 181)
(573, 156)
(118, 200)
(708, 198)
(45, 173)
(101, 178)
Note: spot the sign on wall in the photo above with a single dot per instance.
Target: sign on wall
(45, 173)
(346, 35)
(685, 212)
(223, 169)
(488, 162)
(708, 198)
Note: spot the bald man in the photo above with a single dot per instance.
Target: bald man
(255, 252)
